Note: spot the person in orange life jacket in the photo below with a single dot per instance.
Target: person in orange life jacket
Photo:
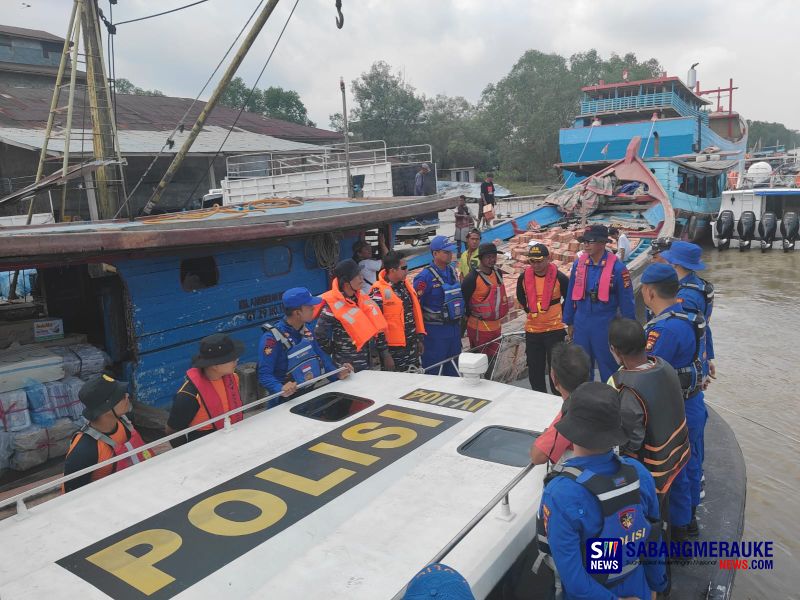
(210, 390)
(398, 301)
(599, 289)
(541, 290)
(109, 432)
(288, 353)
(442, 304)
(486, 301)
(596, 493)
(349, 322)
(569, 368)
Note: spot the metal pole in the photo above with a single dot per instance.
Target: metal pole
(346, 140)
(212, 102)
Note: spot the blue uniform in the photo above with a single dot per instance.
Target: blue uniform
(573, 514)
(693, 299)
(591, 318)
(674, 340)
(442, 327)
(273, 357)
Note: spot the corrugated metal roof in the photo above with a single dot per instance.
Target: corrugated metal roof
(150, 142)
(33, 34)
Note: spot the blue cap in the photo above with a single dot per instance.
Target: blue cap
(442, 242)
(684, 254)
(438, 582)
(656, 272)
(299, 296)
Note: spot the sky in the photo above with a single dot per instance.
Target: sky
(453, 47)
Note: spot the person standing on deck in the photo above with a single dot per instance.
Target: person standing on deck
(442, 304)
(108, 432)
(486, 204)
(486, 301)
(678, 337)
(599, 289)
(464, 221)
(597, 494)
(349, 322)
(469, 258)
(419, 179)
(405, 328)
(210, 390)
(288, 353)
(541, 292)
(623, 243)
(362, 254)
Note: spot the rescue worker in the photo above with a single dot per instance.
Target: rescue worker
(541, 291)
(570, 368)
(695, 293)
(486, 301)
(288, 354)
(442, 307)
(599, 289)
(678, 337)
(597, 494)
(210, 390)
(350, 324)
(469, 258)
(405, 329)
(108, 432)
(438, 581)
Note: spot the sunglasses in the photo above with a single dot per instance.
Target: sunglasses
(403, 268)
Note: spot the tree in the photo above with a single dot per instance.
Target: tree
(124, 86)
(763, 134)
(273, 102)
(452, 127)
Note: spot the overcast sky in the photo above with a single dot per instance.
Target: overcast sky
(453, 47)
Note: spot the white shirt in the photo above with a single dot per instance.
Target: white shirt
(623, 244)
(369, 271)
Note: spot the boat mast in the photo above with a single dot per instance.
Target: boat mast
(212, 102)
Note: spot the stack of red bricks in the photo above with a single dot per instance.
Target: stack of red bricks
(563, 245)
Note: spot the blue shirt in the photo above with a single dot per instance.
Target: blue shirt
(696, 300)
(673, 340)
(272, 356)
(620, 300)
(429, 290)
(575, 515)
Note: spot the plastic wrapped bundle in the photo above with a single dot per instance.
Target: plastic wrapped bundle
(93, 360)
(5, 450)
(74, 385)
(42, 413)
(36, 445)
(72, 363)
(14, 410)
(61, 401)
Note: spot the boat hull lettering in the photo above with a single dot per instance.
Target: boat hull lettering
(446, 399)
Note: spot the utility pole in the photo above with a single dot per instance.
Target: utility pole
(346, 140)
(212, 102)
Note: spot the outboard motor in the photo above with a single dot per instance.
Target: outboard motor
(767, 229)
(746, 228)
(724, 229)
(790, 230)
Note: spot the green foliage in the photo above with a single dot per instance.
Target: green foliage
(274, 102)
(763, 134)
(124, 86)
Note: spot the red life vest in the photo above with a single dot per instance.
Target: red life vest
(361, 320)
(211, 404)
(393, 311)
(604, 289)
(493, 306)
(537, 305)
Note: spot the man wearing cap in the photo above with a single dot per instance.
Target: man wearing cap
(288, 353)
(419, 179)
(599, 289)
(678, 336)
(211, 389)
(468, 260)
(442, 304)
(486, 301)
(350, 324)
(541, 291)
(437, 581)
(405, 328)
(597, 494)
(108, 433)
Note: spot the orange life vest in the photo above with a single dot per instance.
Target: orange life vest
(123, 440)
(210, 402)
(362, 320)
(393, 310)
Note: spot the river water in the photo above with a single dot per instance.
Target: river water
(757, 344)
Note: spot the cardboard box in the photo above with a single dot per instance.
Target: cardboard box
(48, 329)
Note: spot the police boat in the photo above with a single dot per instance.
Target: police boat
(344, 492)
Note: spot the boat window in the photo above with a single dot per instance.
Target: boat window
(277, 261)
(504, 445)
(199, 273)
(331, 407)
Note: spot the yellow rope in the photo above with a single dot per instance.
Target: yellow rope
(237, 211)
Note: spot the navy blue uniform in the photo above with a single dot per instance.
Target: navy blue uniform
(694, 299)
(442, 327)
(591, 318)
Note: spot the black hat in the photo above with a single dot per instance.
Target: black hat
(593, 419)
(100, 394)
(538, 252)
(217, 349)
(346, 270)
(595, 233)
(485, 249)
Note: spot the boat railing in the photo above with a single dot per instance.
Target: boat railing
(641, 101)
(19, 499)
